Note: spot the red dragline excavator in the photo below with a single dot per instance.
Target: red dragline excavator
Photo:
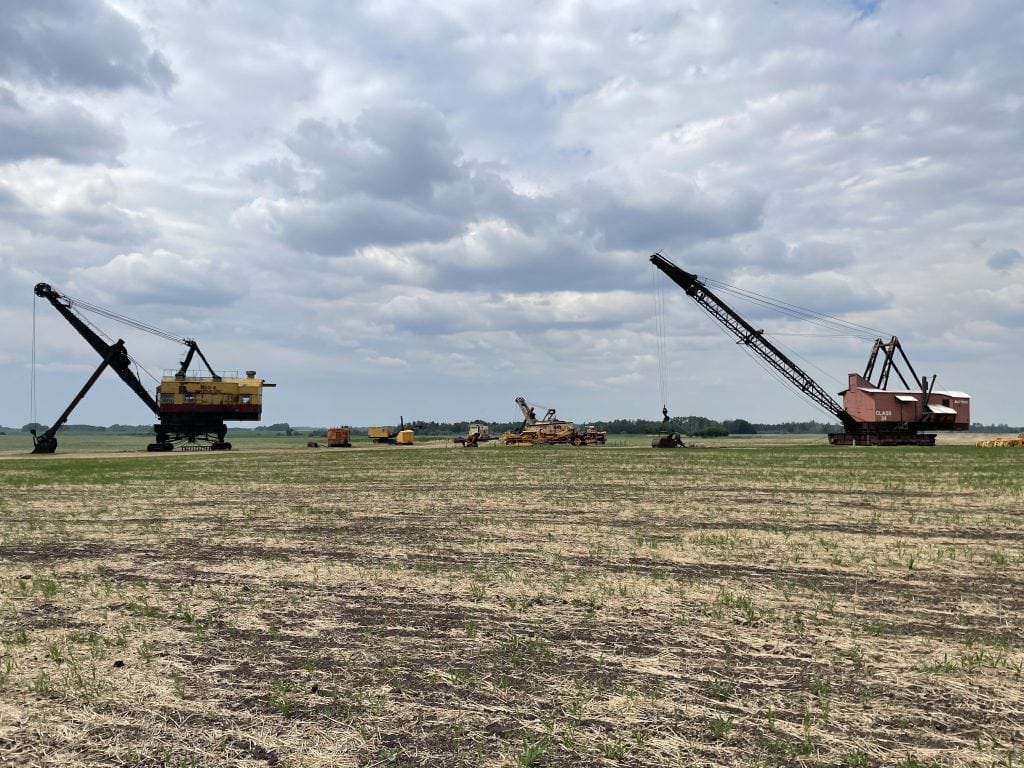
(191, 409)
(871, 414)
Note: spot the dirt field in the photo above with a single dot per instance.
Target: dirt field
(737, 606)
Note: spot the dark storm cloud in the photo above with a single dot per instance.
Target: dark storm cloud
(64, 132)
(1004, 259)
(77, 44)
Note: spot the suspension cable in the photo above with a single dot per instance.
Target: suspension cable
(833, 326)
(825, 321)
(809, 363)
(32, 394)
(140, 367)
(780, 378)
(659, 331)
(79, 306)
(124, 319)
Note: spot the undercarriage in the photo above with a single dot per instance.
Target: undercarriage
(889, 437)
(190, 435)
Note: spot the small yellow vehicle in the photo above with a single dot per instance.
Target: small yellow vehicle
(1003, 442)
(401, 435)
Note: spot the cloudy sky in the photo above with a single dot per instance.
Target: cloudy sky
(427, 208)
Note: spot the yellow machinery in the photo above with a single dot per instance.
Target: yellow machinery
(401, 436)
(339, 437)
(230, 398)
(478, 433)
(380, 434)
(550, 430)
(545, 433)
(1003, 442)
(191, 408)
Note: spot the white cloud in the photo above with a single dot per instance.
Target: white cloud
(449, 190)
(161, 277)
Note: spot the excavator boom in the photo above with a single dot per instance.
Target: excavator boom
(871, 414)
(189, 408)
(118, 361)
(751, 337)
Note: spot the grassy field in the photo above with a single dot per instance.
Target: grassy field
(747, 603)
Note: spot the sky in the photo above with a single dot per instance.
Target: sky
(425, 209)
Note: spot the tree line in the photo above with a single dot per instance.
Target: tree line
(693, 426)
(696, 426)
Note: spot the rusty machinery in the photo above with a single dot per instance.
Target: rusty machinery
(550, 430)
(871, 414)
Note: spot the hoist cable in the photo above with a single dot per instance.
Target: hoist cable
(831, 322)
(32, 394)
(660, 334)
(783, 380)
(79, 304)
(123, 319)
(809, 363)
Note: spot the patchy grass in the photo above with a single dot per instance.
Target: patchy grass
(752, 605)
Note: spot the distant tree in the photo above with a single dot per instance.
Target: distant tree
(281, 427)
(713, 431)
(739, 427)
(994, 428)
(798, 428)
(34, 425)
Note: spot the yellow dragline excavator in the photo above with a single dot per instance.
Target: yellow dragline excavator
(550, 430)
(191, 409)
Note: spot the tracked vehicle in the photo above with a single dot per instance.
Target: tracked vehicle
(871, 413)
(191, 408)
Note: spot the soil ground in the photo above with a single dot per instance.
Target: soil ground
(739, 604)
